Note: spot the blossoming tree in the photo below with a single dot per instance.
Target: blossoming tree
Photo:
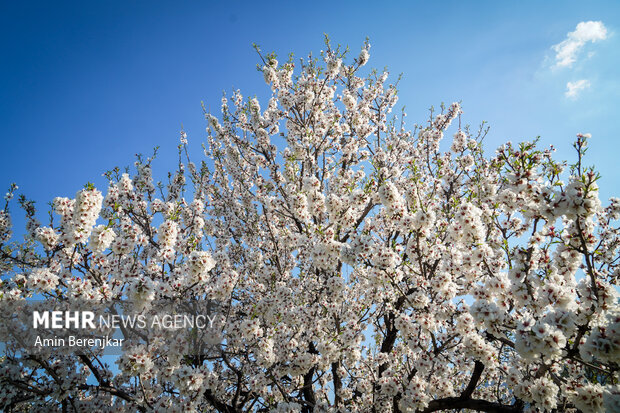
(359, 265)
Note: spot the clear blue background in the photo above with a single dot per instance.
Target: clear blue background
(86, 85)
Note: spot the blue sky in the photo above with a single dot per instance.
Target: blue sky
(86, 85)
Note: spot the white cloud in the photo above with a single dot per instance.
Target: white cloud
(574, 88)
(566, 51)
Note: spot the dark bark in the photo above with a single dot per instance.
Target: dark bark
(473, 381)
(390, 338)
(219, 405)
(307, 390)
